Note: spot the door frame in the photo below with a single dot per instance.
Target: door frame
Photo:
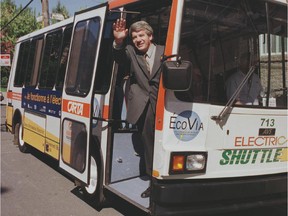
(78, 109)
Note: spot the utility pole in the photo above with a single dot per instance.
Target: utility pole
(45, 12)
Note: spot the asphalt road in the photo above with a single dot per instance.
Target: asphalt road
(32, 185)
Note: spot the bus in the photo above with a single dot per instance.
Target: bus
(67, 99)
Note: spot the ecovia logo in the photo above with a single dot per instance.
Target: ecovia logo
(186, 125)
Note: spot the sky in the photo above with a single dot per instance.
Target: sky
(71, 5)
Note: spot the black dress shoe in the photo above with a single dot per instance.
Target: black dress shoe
(146, 193)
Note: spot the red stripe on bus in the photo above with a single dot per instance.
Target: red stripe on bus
(105, 112)
(117, 3)
(168, 51)
(14, 96)
(76, 108)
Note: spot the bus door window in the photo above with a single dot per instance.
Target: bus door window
(74, 152)
(83, 53)
(105, 59)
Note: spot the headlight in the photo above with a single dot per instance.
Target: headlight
(188, 162)
(195, 162)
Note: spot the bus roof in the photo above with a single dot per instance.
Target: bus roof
(112, 4)
(119, 3)
(47, 29)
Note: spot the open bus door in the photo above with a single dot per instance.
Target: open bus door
(78, 92)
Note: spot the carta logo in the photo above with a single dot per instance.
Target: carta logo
(76, 108)
(186, 125)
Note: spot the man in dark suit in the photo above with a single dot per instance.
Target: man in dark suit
(144, 60)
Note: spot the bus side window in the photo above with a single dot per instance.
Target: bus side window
(64, 57)
(50, 60)
(21, 64)
(33, 62)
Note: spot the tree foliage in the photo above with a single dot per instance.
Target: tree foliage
(22, 25)
(61, 9)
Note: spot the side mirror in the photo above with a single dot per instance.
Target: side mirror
(177, 75)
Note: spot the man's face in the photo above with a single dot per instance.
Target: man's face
(244, 63)
(141, 40)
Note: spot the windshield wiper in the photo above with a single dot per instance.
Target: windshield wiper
(231, 101)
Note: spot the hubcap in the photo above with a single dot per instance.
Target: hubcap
(21, 141)
(91, 188)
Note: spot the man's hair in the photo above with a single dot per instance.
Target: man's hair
(245, 57)
(141, 25)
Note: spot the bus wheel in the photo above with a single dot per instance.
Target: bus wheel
(92, 190)
(18, 138)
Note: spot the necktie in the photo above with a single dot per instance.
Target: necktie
(147, 63)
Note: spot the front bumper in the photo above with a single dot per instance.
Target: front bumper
(184, 197)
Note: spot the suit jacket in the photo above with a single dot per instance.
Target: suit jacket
(143, 86)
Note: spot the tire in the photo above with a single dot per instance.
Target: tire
(92, 190)
(23, 147)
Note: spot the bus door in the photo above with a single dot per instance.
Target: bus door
(78, 92)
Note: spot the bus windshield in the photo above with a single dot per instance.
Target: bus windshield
(220, 37)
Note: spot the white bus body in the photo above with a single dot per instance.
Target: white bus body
(210, 155)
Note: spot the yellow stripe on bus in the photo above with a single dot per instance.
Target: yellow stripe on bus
(34, 139)
(284, 156)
